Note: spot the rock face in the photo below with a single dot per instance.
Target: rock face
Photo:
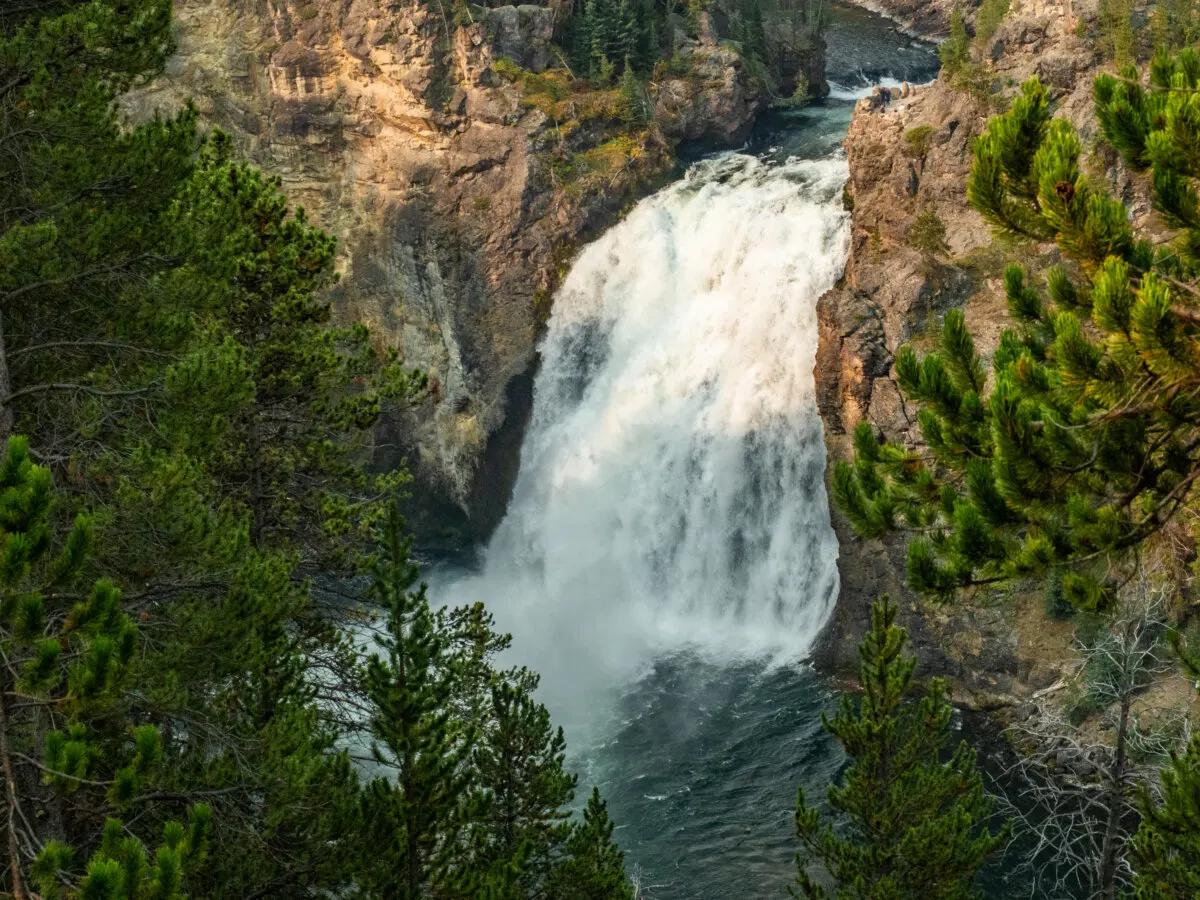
(928, 18)
(391, 124)
(909, 154)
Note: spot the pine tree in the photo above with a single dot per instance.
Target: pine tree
(625, 36)
(415, 821)
(79, 195)
(914, 810)
(66, 656)
(580, 36)
(1174, 24)
(1165, 851)
(519, 830)
(96, 344)
(955, 51)
(520, 764)
(607, 36)
(755, 39)
(593, 867)
(1117, 37)
(646, 51)
(247, 482)
(600, 30)
(1081, 443)
(633, 98)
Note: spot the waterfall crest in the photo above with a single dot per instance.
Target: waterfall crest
(671, 494)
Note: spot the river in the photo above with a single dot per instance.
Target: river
(667, 560)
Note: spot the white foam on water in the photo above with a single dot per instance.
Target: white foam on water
(866, 88)
(671, 490)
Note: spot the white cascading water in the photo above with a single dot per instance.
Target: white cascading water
(671, 492)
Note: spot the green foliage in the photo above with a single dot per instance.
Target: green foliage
(958, 52)
(508, 69)
(605, 37)
(1165, 851)
(635, 105)
(955, 51)
(927, 234)
(918, 140)
(520, 760)
(120, 869)
(593, 867)
(68, 658)
(1117, 39)
(474, 796)
(987, 21)
(751, 31)
(171, 348)
(1174, 24)
(1083, 447)
(415, 823)
(1055, 597)
(911, 813)
(802, 92)
(168, 344)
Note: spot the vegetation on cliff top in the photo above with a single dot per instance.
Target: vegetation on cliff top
(605, 124)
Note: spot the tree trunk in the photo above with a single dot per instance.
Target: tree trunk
(10, 797)
(6, 413)
(1116, 802)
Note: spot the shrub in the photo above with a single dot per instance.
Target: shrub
(917, 140)
(927, 234)
(675, 66)
(610, 157)
(507, 69)
(800, 95)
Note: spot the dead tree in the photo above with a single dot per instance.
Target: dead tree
(1071, 789)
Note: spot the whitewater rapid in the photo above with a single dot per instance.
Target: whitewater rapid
(671, 490)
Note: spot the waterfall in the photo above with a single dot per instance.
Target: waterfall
(671, 493)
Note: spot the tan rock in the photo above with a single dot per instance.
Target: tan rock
(891, 295)
(388, 122)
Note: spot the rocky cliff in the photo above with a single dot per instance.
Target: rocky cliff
(927, 18)
(459, 165)
(909, 155)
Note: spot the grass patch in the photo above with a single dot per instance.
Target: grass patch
(918, 140)
(611, 157)
(565, 101)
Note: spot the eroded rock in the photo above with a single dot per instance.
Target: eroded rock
(393, 125)
(909, 153)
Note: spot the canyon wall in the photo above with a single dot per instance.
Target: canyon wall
(457, 185)
(926, 18)
(909, 152)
